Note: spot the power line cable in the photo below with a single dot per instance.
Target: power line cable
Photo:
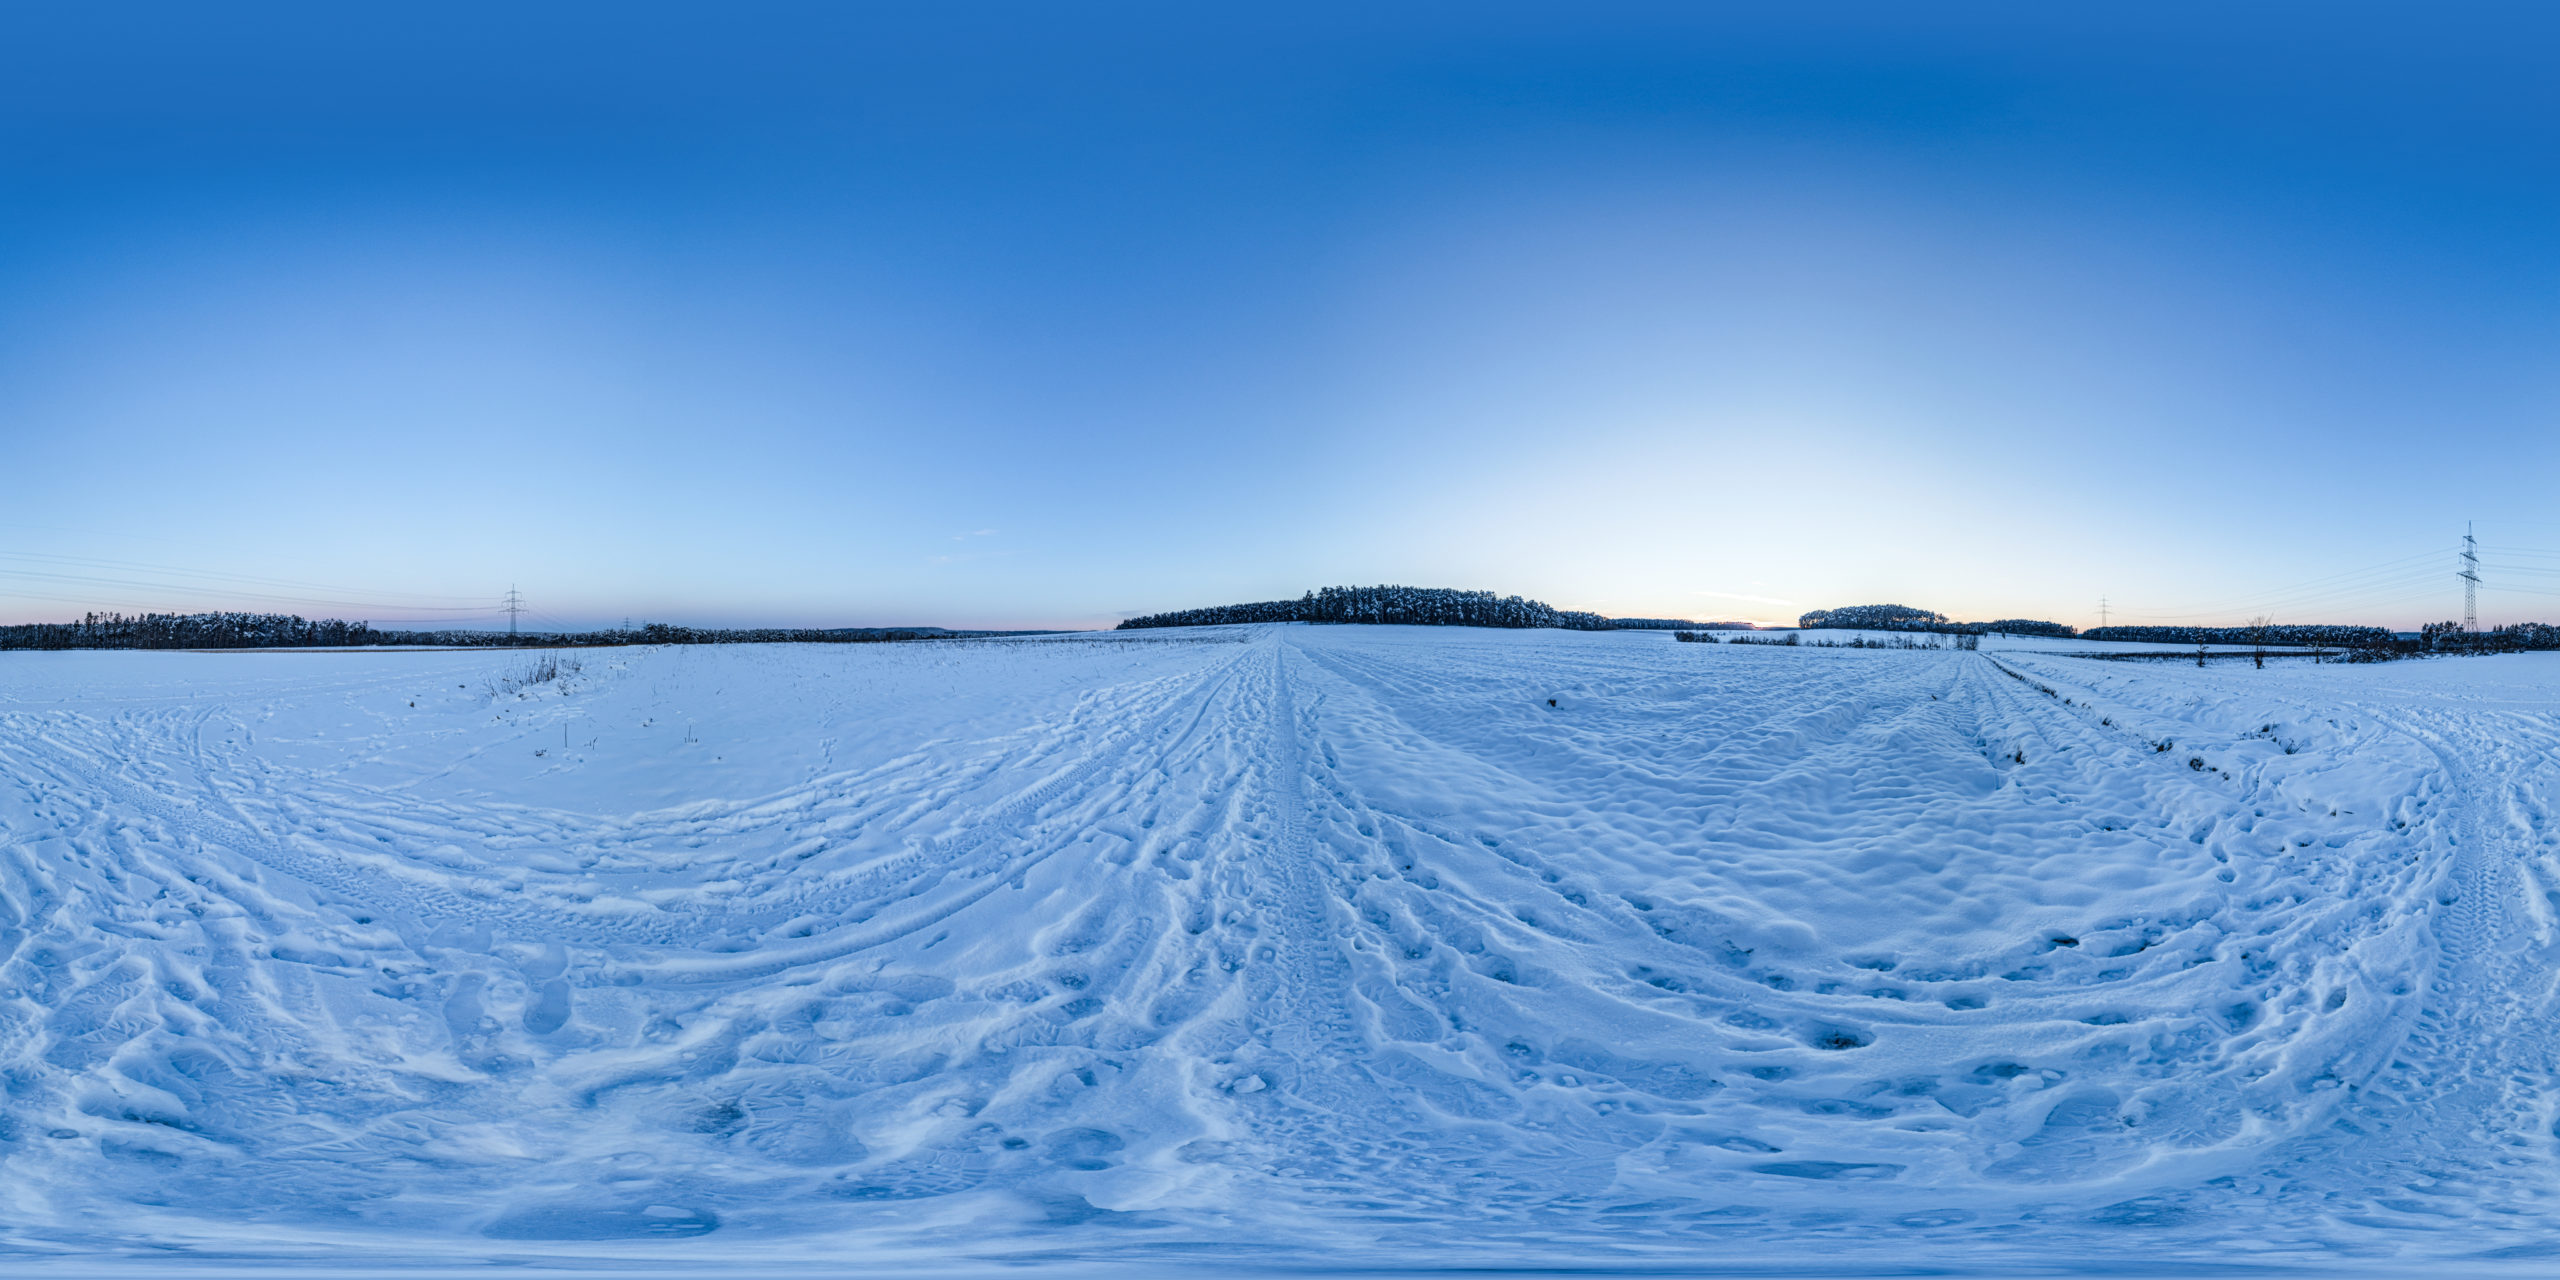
(2342, 585)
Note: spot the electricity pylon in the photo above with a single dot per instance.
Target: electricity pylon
(2470, 576)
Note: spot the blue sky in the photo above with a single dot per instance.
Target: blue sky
(1011, 315)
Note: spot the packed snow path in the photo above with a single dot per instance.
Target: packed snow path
(1358, 943)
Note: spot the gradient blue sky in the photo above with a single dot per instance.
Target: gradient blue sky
(1039, 315)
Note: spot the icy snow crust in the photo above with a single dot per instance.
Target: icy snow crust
(1304, 946)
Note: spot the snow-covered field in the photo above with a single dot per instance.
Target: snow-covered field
(1292, 946)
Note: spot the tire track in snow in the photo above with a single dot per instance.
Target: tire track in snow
(999, 828)
(2448, 1125)
(2466, 1097)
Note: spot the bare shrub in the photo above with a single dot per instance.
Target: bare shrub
(548, 668)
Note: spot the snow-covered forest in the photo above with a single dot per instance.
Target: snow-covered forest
(1409, 606)
(1896, 617)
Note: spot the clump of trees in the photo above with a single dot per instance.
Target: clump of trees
(1406, 606)
(1873, 617)
(285, 631)
(1441, 607)
(1902, 617)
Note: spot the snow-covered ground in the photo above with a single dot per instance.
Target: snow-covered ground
(1313, 947)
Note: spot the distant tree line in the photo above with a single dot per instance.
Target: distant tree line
(2440, 637)
(1900, 617)
(1408, 606)
(2329, 637)
(285, 631)
(665, 633)
(1675, 624)
(1922, 640)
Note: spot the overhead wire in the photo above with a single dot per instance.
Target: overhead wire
(2387, 584)
(119, 585)
(2343, 586)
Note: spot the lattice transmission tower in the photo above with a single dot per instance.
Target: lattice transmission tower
(2470, 576)
(513, 606)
